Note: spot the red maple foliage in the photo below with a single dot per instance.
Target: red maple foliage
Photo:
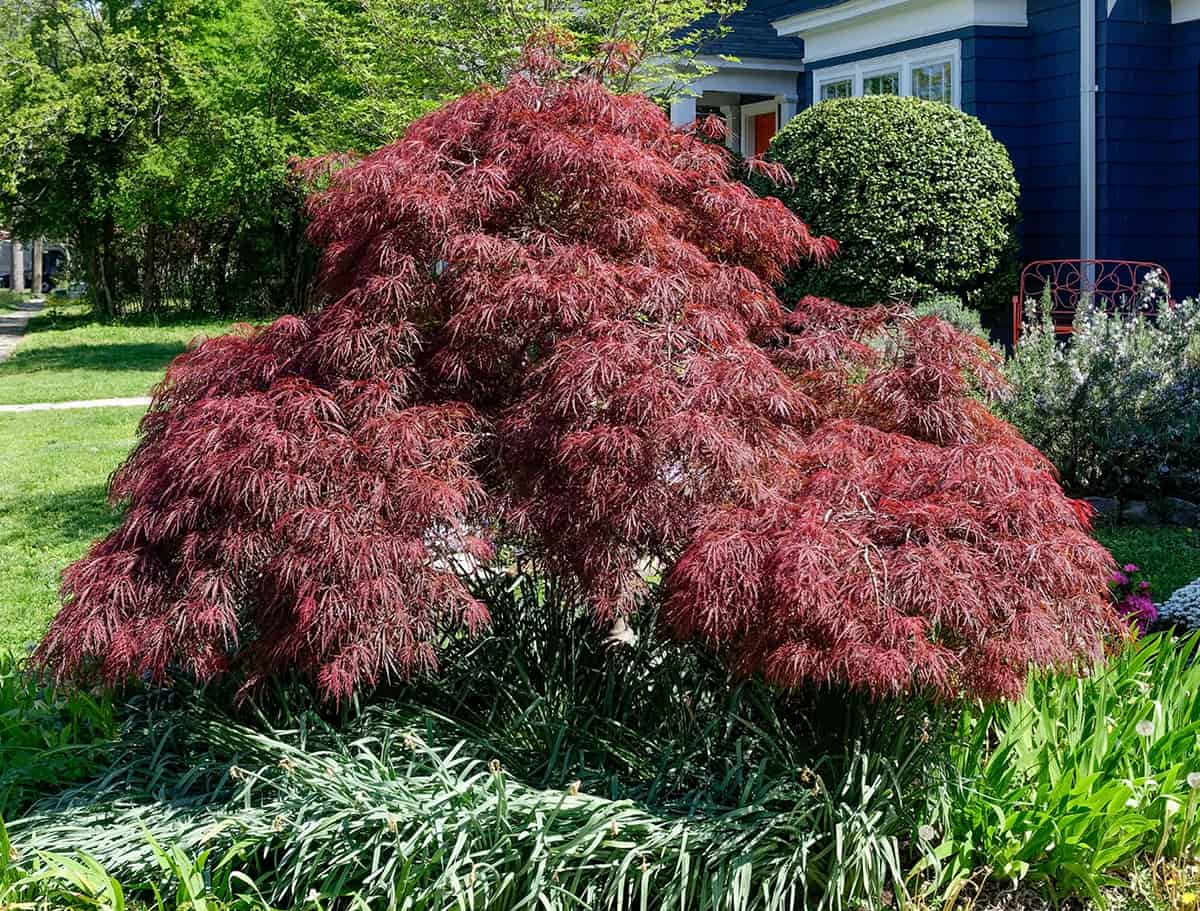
(550, 320)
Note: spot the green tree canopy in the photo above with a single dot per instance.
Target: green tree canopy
(155, 135)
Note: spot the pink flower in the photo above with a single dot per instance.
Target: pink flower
(1144, 586)
(1138, 608)
(1130, 567)
(1119, 578)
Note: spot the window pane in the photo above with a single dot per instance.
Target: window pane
(882, 84)
(932, 82)
(841, 88)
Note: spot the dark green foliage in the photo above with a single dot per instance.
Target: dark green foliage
(919, 195)
(48, 738)
(547, 769)
(550, 771)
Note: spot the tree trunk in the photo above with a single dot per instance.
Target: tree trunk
(107, 292)
(18, 266)
(151, 293)
(38, 277)
(221, 277)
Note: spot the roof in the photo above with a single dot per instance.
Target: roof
(781, 9)
(751, 34)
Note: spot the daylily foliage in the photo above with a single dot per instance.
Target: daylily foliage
(550, 325)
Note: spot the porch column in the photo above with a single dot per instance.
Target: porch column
(788, 105)
(18, 266)
(683, 111)
(733, 122)
(37, 266)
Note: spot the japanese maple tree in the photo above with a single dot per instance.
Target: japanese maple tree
(549, 321)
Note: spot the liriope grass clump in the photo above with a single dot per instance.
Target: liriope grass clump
(555, 770)
(551, 770)
(397, 822)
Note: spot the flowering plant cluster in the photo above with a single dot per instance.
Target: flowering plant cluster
(1182, 609)
(1132, 597)
(1118, 409)
(550, 324)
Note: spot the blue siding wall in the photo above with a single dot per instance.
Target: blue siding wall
(994, 88)
(1177, 226)
(1137, 169)
(751, 34)
(1024, 84)
(1050, 174)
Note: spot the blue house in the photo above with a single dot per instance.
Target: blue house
(1098, 102)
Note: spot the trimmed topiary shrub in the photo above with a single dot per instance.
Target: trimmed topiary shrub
(918, 195)
(550, 335)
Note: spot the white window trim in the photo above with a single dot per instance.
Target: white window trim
(855, 83)
(749, 112)
(947, 51)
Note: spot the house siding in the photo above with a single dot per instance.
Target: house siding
(994, 88)
(1024, 84)
(1049, 173)
(1178, 227)
(1136, 173)
(750, 34)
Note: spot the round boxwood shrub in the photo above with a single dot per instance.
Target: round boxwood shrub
(920, 197)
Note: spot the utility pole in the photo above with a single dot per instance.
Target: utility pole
(18, 266)
(37, 266)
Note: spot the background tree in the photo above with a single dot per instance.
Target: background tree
(549, 324)
(155, 135)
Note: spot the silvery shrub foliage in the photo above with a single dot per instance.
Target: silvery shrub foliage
(1182, 609)
(1116, 406)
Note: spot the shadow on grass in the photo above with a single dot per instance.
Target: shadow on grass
(70, 517)
(102, 357)
(55, 320)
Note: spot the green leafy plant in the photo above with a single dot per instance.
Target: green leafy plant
(951, 308)
(1084, 777)
(919, 196)
(542, 767)
(48, 736)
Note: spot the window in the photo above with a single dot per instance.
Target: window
(838, 88)
(931, 72)
(931, 81)
(882, 84)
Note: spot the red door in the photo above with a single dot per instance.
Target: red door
(764, 129)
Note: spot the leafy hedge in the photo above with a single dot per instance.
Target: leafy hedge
(919, 195)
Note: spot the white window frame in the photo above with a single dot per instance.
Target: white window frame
(824, 82)
(946, 52)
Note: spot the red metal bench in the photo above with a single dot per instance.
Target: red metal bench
(1119, 283)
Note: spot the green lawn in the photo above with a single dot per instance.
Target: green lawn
(9, 301)
(54, 466)
(67, 355)
(1168, 557)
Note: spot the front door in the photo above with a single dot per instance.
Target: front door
(764, 130)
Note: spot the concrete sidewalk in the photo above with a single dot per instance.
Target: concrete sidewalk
(12, 325)
(141, 400)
